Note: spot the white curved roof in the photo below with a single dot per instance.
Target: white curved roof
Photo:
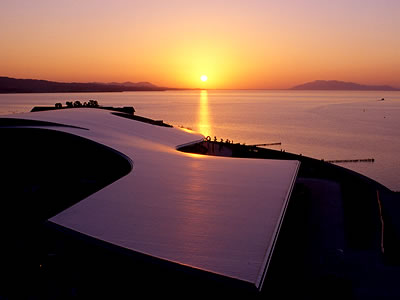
(213, 213)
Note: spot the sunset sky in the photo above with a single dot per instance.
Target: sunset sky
(237, 44)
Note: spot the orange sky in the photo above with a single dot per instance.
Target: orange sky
(237, 44)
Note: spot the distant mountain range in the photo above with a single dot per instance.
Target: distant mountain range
(13, 85)
(341, 85)
(135, 84)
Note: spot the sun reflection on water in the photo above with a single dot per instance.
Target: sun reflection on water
(203, 120)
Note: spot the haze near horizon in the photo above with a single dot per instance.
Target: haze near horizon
(236, 44)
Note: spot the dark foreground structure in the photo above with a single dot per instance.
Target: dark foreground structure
(340, 236)
(70, 230)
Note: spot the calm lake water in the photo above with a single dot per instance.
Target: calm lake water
(330, 125)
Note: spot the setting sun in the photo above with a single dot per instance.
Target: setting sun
(243, 47)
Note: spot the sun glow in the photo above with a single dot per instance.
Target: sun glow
(204, 78)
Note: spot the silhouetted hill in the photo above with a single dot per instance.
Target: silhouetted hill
(142, 84)
(341, 85)
(13, 85)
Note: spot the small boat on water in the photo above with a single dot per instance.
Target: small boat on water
(101, 202)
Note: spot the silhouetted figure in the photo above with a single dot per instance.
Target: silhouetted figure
(69, 104)
(58, 105)
(77, 104)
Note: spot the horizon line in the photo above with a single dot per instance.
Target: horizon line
(385, 87)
